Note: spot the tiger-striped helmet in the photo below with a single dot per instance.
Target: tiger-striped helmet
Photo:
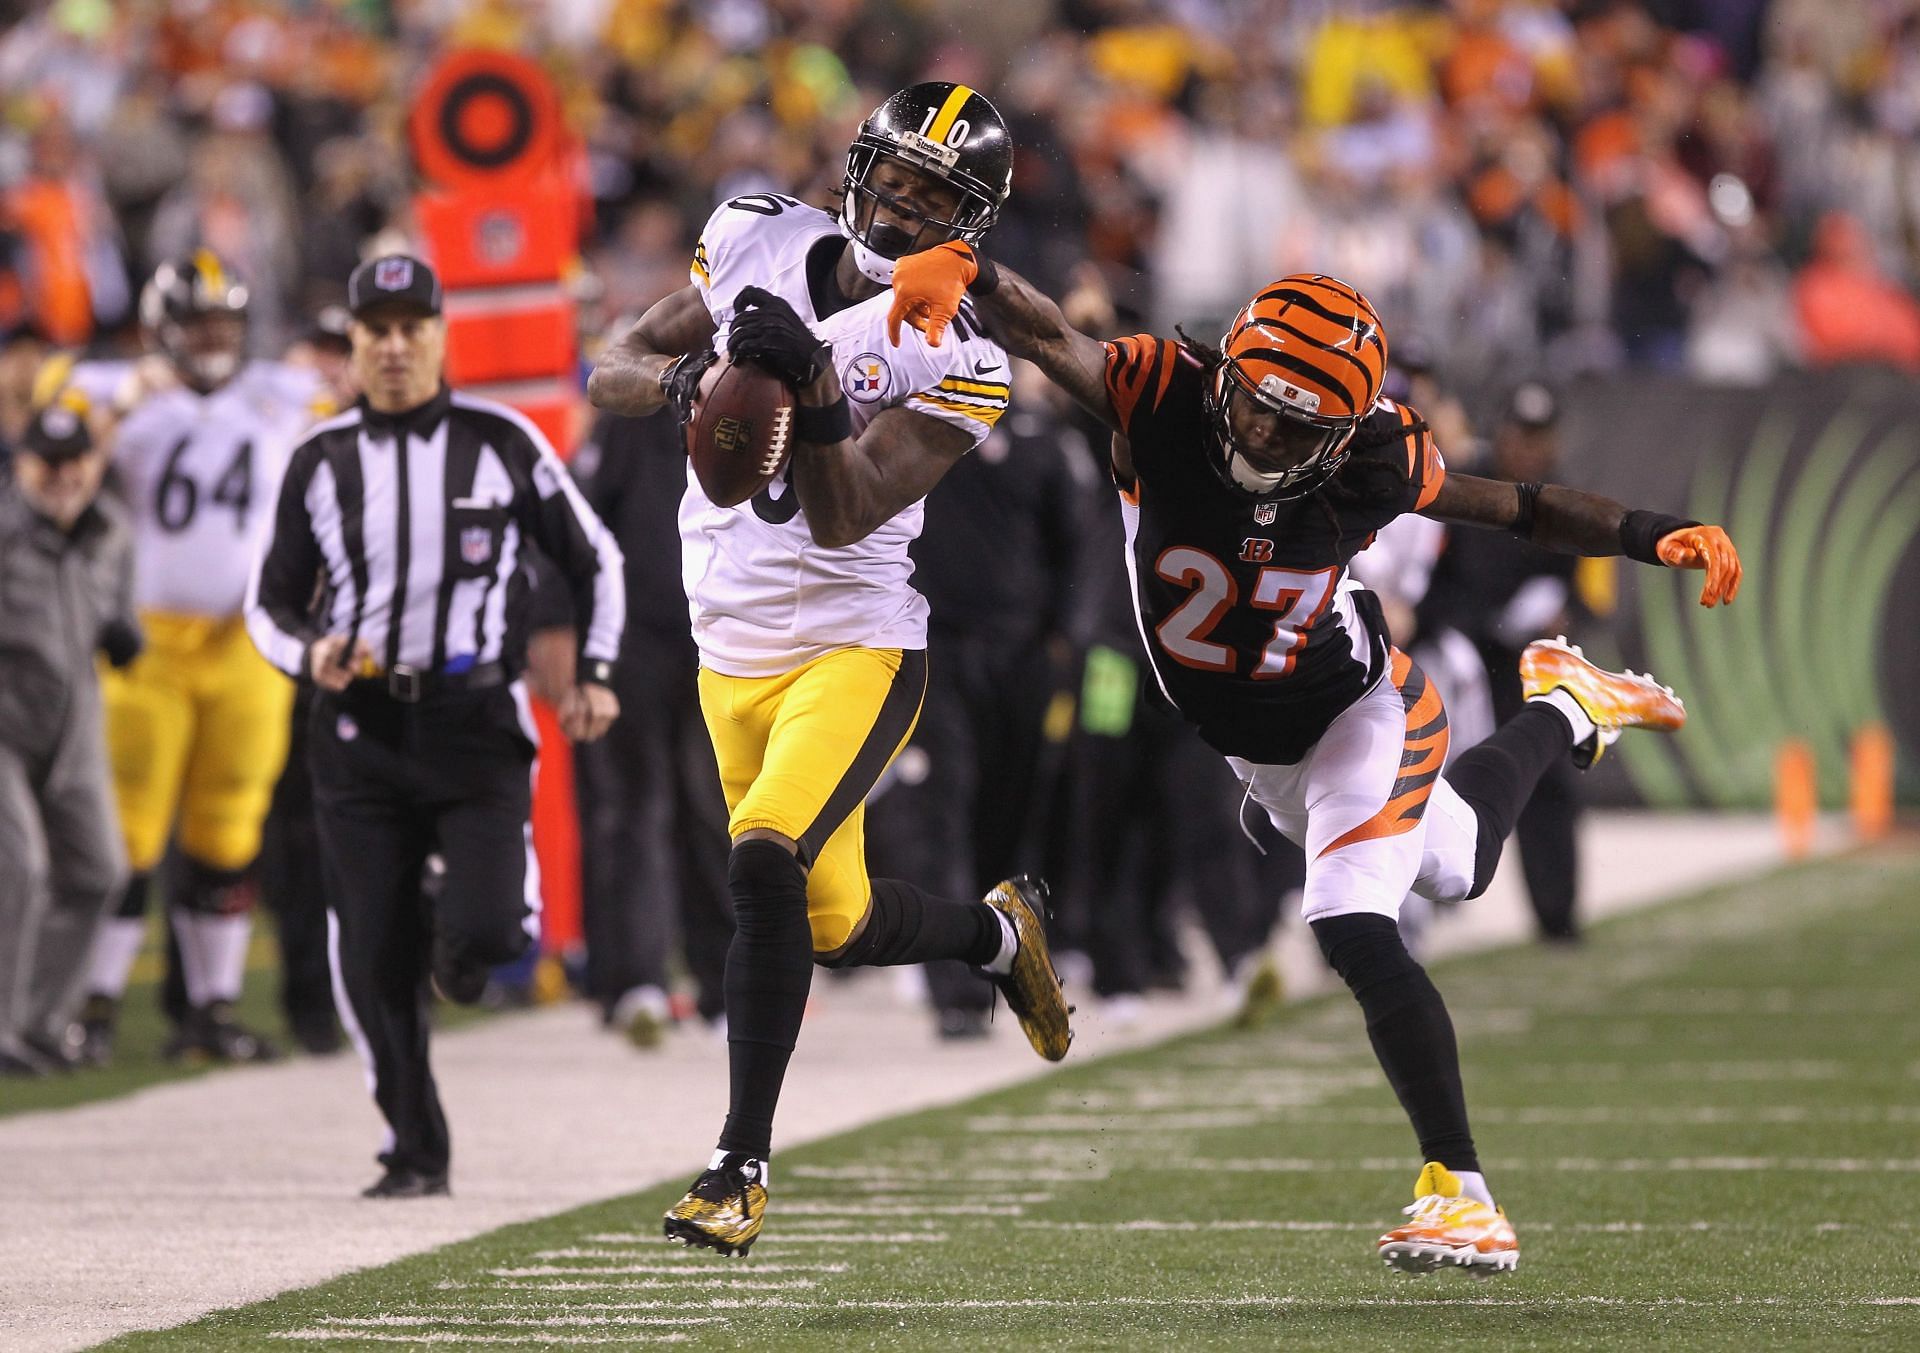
(1310, 349)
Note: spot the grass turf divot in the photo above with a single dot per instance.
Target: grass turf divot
(1702, 1123)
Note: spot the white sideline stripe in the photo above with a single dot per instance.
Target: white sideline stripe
(457, 1318)
(1118, 1120)
(1667, 1116)
(1628, 1069)
(577, 1252)
(1272, 1224)
(854, 1238)
(678, 1280)
(1578, 1165)
(450, 1337)
(907, 1176)
(905, 1209)
(1467, 1302)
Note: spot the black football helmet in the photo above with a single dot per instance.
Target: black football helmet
(947, 130)
(184, 291)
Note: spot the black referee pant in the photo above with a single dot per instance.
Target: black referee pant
(392, 783)
(653, 833)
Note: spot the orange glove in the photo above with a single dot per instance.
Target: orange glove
(927, 288)
(1706, 547)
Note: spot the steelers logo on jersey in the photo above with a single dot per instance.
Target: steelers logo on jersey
(867, 378)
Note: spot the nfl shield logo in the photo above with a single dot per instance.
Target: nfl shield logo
(1264, 513)
(476, 544)
(393, 274)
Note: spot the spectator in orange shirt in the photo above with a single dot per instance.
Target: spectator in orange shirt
(1849, 309)
(62, 272)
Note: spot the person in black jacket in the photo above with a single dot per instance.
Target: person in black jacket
(653, 823)
(1502, 593)
(412, 507)
(995, 561)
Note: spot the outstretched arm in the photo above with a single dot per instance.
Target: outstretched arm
(1572, 521)
(927, 288)
(627, 379)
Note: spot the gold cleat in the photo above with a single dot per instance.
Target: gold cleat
(1032, 990)
(1261, 995)
(1613, 700)
(724, 1208)
(1446, 1229)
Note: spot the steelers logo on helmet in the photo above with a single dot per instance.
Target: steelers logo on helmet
(196, 311)
(947, 132)
(1300, 367)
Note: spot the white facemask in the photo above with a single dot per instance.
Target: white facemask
(1249, 479)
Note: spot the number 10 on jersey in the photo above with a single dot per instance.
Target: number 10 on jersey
(1300, 597)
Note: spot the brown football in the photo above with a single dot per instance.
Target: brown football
(741, 433)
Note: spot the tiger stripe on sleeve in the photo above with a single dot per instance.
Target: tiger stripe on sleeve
(1426, 467)
(1135, 365)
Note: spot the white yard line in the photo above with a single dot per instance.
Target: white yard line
(154, 1209)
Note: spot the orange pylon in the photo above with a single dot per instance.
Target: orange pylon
(1871, 790)
(1796, 795)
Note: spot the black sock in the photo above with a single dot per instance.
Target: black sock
(1497, 776)
(769, 968)
(1411, 1032)
(908, 925)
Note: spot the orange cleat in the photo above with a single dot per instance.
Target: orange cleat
(1613, 700)
(1446, 1229)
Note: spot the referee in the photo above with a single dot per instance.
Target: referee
(392, 577)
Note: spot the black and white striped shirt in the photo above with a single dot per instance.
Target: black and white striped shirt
(416, 522)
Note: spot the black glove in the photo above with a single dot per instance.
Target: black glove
(120, 639)
(681, 381)
(768, 333)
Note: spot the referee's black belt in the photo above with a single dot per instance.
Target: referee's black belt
(411, 685)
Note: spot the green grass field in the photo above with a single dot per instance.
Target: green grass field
(1705, 1124)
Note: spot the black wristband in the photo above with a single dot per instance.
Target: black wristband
(594, 672)
(823, 425)
(1641, 533)
(1523, 519)
(986, 278)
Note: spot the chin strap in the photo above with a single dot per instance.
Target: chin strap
(874, 267)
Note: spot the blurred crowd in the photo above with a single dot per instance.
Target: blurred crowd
(1525, 188)
(1544, 186)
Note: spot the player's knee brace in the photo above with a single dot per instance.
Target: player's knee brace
(906, 925)
(206, 891)
(769, 888)
(893, 918)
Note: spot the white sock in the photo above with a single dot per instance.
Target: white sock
(223, 943)
(1474, 1185)
(193, 961)
(115, 945)
(720, 1155)
(1009, 945)
(1577, 718)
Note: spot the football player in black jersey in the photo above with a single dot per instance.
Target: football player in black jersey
(1250, 475)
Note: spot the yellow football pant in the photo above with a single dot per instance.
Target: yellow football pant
(798, 754)
(197, 727)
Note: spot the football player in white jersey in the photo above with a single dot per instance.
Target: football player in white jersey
(198, 725)
(812, 639)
